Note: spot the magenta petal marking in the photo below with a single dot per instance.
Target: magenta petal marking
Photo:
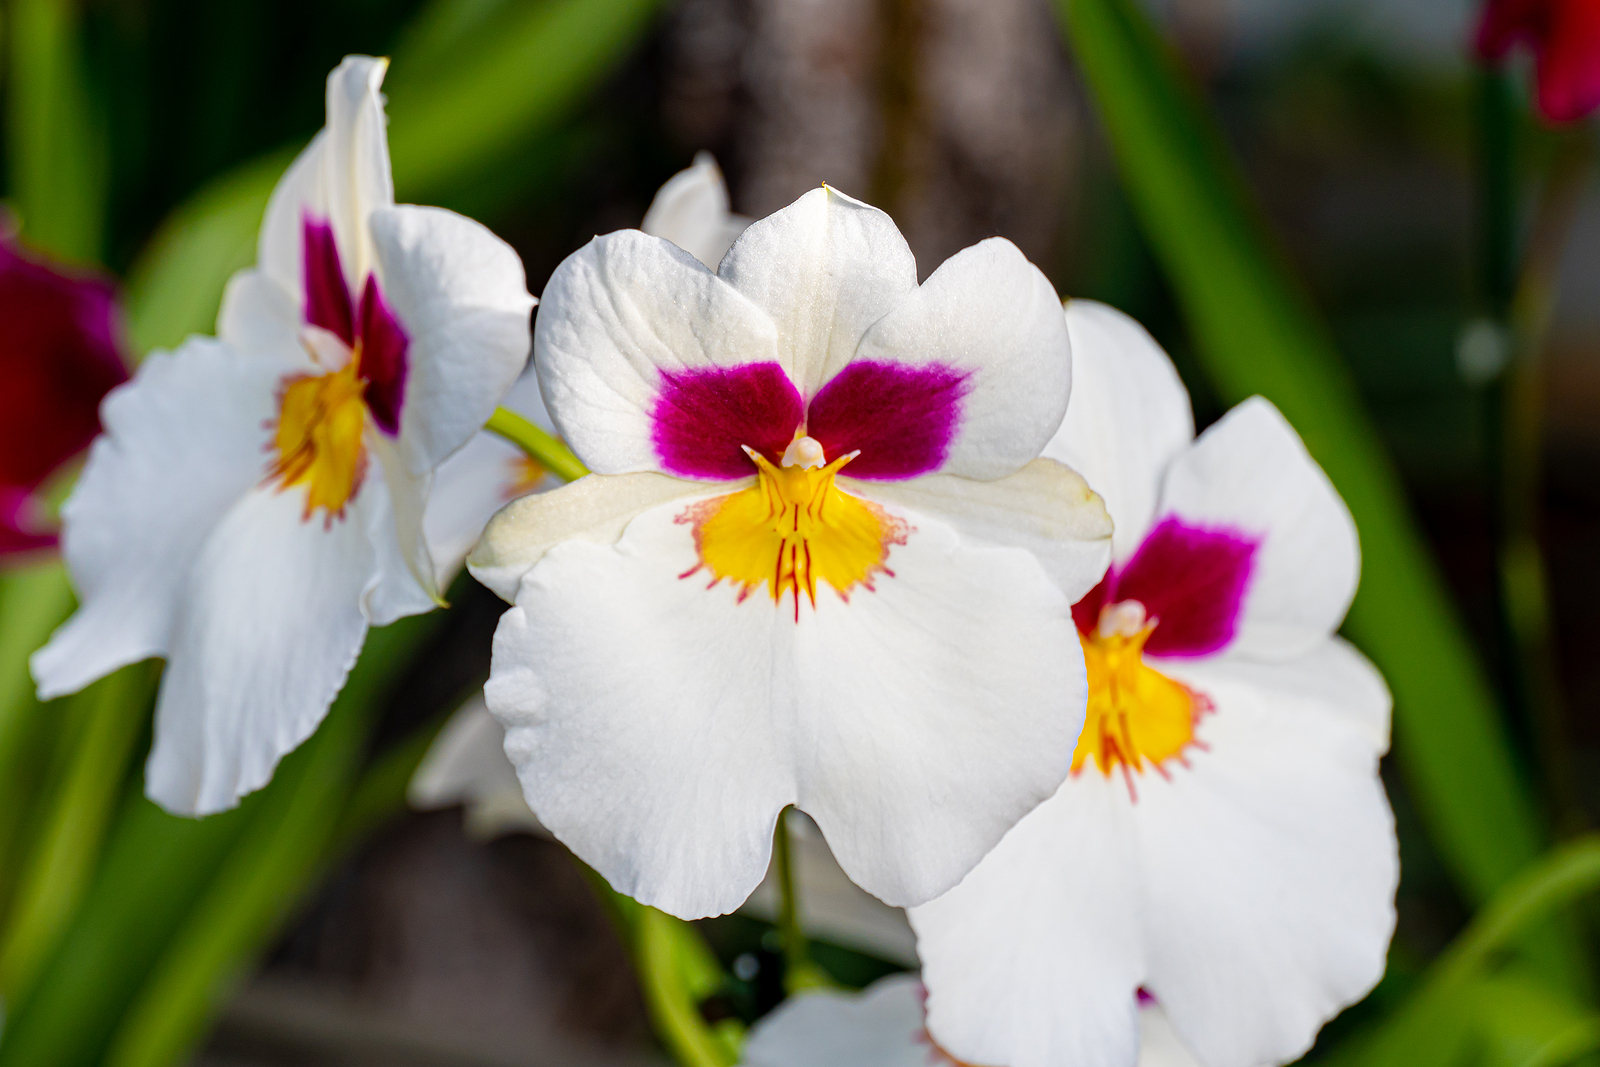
(327, 298)
(383, 358)
(901, 418)
(1190, 578)
(702, 418)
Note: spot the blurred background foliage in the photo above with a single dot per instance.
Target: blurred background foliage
(1320, 200)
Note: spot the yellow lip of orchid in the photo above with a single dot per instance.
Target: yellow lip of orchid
(1136, 716)
(794, 527)
(321, 421)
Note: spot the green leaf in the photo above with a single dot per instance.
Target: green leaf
(180, 905)
(270, 867)
(1256, 332)
(79, 806)
(1429, 1029)
(57, 143)
(478, 100)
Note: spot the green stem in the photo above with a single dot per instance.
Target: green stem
(677, 971)
(542, 447)
(795, 951)
(1524, 588)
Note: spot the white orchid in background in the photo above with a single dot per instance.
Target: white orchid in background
(883, 1026)
(1223, 843)
(819, 562)
(256, 501)
(691, 211)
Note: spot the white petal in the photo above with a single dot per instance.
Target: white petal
(632, 702)
(460, 293)
(467, 765)
(618, 312)
(1044, 507)
(484, 476)
(394, 590)
(267, 628)
(691, 211)
(342, 176)
(1270, 861)
(659, 725)
(1251, 472)
(991, 315)
(259, 315)
(1034, 959)
(824, 269)
(879, 1027)
(183, 442)
(1128, 417)
(596, 508)
(398, 538)
(1159, 1044)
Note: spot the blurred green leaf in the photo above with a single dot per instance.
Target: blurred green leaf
(176, 286)
(1257, 333)
(156, 866)
(57, 143)
(34, 599)
(267, 870)
(109, 716)
(180, 905)
(1431, 1028)
(493, 89)
(1522, 1022)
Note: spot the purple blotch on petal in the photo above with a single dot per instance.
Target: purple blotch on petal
(901, 418)
(1191, 578)
(327, 297)
(702, 417)
(383, 358)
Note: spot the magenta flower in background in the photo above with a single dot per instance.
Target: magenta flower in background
(59, 355)
(1565, 38)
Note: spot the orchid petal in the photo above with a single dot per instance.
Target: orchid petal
(1045, 508)
(1249, 475)
(691, 211)
(915, 723)
(183, 443)
(991, 323)
(1128, 417)
(267, 627)
(619, 315)
(823, 269)
(596, 509)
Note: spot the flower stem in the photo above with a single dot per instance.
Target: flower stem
(542, 447)
(799, 972)
(1524, 585)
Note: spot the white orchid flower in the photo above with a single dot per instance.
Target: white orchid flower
(690, 210)
(883, 1026)
(1223, 842)
(820, 562)
(256, 501)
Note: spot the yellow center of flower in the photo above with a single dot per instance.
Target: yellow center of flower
(321, 418)
(793, 528)
(1136, 715)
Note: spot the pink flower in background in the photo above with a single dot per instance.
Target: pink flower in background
(59, 355)
(1565, 38)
